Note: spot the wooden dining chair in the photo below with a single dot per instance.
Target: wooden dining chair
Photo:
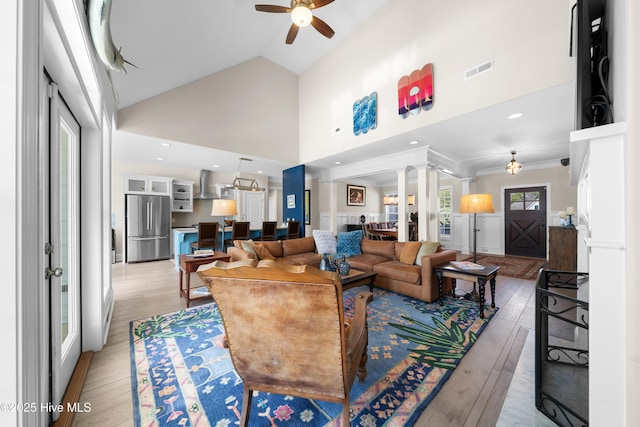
(366, 232)
(269, 231)
(207, 236)
(239, 231)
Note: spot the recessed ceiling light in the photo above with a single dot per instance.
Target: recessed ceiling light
(337, 163)
(159, 158)
(514, 116)
(216, 166)
(259, 171)
(413, 142)
(166, 144)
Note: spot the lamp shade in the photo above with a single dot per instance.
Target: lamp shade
(390, 200)
(476, 203)
(223, 207)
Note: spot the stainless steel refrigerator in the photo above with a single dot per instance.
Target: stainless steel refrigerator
(148, 224)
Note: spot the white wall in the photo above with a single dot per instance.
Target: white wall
(60, 47)
(629, 13)
(215, 111)
(10, 122)
(527, 40)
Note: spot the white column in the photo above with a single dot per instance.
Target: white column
(466, 229)
(403, 228)
(433, 224)
(333, 206)
(423, 202)
(602, 179)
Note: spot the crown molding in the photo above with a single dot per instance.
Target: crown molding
(413, 158)
(525, 166)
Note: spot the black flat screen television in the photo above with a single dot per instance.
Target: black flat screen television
(593, 103)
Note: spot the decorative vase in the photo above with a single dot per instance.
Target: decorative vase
(343, 266)
(329, 264)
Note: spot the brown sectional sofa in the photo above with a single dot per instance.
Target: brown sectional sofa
(300, 251)
(380, 256)
(417, 281)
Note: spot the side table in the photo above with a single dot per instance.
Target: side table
(189, 264)
(479, 276)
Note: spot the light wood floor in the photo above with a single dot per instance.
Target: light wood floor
(473, 395)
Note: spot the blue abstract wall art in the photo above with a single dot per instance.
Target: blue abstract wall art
(365, 112)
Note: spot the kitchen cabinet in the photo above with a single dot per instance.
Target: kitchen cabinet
(141, 184)
(182, 196)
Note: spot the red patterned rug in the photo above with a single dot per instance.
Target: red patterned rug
(513, 266)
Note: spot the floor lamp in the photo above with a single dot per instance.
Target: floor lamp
(475, 204)
(223, 207)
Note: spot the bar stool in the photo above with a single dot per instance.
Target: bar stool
(207, 236)
(269, 231)
(239, 231)
(293, 229)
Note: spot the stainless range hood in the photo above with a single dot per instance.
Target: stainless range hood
(204, 193)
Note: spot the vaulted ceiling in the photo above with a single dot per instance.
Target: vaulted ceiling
(174, 43)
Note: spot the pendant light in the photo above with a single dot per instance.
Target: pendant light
(244, 184)
(513, 167)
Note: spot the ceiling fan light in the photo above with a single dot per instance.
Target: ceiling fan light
(301, 16)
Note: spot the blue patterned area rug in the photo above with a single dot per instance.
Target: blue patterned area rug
(183, 376)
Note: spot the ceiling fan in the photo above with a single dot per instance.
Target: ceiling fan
(301, 16)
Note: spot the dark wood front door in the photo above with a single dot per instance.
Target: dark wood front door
(526, 221)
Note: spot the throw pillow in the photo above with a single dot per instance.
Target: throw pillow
(249, 246)
(409, 252)
(349, 242)
(325, 241)
(427, 248)
(262, 252)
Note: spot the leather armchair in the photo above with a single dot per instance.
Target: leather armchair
(286, 331)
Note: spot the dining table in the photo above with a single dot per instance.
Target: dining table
(393, 232)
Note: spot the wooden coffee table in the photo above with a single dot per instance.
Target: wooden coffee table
(189, 264)
(357, 278)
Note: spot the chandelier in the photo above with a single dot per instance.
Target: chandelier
(244, 184)
(513, 167)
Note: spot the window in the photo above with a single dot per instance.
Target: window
(391, 211)
(525, 201)
(445, 210)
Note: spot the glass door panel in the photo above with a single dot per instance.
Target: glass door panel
(64, 226)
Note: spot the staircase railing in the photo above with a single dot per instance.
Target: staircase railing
(562, 347)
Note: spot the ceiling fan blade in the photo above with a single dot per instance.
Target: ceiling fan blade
(322, 27)
(319, 3)
(272, 8)
(293, 32)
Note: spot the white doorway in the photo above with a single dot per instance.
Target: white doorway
(63, 247)
(253, 205)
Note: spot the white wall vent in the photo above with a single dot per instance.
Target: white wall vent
(478, 69)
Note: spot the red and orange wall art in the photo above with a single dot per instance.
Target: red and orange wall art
(415, 92)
